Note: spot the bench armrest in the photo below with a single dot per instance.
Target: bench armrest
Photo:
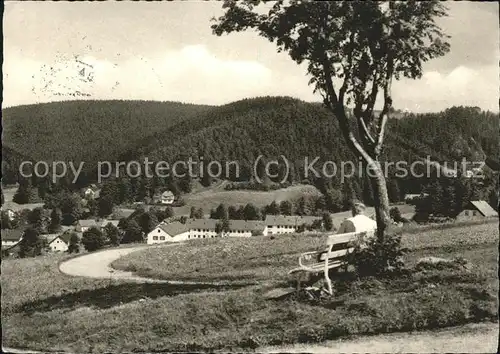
(304, 255)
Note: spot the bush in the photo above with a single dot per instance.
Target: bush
(378, 257)
(93, 239)
(395, 214)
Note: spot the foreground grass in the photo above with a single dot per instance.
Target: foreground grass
(97, 316)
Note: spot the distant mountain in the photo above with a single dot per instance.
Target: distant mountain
(87, 130)
(275, 126)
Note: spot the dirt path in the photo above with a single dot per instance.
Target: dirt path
(473, 338)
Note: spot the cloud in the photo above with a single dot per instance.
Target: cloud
(191, 74)
(461, 86)
(194, 74)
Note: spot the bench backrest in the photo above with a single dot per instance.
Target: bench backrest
(339, 245)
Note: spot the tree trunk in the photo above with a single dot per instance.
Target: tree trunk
(381, 202)
(380, 196)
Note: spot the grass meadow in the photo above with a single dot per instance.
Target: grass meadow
(210, 198)
(45, 310)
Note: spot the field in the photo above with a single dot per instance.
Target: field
(212, 197)
(263, 258)
(42, 309)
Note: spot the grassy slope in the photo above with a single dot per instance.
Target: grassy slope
(83, 315)
(211, 198)
(263, 258)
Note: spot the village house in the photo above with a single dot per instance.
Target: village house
(172, 232)
(59, 243)
(85, 224)
(477, 209)
(166, 198)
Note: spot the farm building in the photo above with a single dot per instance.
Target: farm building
(202, 228)
(283, 224)
(477, 209)
(207, 228)
(173, 232)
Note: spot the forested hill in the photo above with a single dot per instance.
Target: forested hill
(280, 125)
(241, 131)
(87, 130)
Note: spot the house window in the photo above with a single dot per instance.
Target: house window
(155, 238)
(162, 238)
(474, 213)
(158, 230)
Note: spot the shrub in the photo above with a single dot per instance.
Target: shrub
(74, 243)
(395, 214)
(378, 257)
(93, 239)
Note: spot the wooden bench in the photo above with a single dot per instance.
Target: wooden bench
(338, 246)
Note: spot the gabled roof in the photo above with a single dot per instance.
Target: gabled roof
(87, 222)
(63, 237)
(202, 223)
(12, 235)
(246, 225)
(113, 222)
(484, 208)
(287, 220)
(174, 228)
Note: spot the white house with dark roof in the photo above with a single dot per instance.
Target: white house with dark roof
(59, 243)
(172, 232)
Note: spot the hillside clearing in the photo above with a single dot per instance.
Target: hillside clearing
(210, 198)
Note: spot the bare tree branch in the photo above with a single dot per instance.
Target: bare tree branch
(338, 110)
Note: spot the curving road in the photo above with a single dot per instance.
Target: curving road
(473, 338)
(98, 265)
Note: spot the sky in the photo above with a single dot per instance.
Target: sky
(165, 51)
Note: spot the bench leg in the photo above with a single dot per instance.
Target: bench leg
(328, 283)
